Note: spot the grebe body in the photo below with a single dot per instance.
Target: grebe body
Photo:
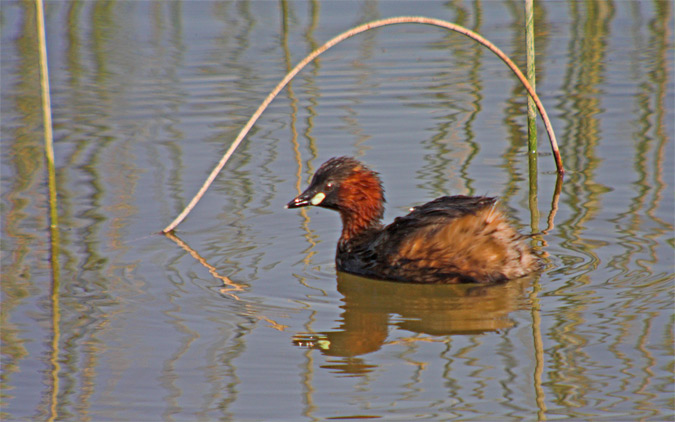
(452, 239)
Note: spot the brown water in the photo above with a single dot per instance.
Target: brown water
(242, 315)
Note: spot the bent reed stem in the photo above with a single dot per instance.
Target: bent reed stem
(343, 36)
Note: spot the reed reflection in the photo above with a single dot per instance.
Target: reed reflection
(371, 307)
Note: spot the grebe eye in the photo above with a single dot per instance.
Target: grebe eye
(329, 185)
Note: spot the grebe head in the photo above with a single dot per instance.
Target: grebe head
(349, 187)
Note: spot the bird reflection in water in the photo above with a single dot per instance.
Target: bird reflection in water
(370, 307)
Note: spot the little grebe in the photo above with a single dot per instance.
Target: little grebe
(452, 239)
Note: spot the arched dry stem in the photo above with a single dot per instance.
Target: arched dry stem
(350, 33)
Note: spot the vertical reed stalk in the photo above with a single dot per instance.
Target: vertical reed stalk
(534, 209)
(47, 115)
(53, 210)
(531, 114)
(531, 77)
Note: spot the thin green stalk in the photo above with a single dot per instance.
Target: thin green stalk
(534, 209)
(53, 211)
(531, 78)
(47, 115)
(531, 116)
(533, 193)
(347, 34)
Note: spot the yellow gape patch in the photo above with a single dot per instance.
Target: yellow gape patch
(318, 198)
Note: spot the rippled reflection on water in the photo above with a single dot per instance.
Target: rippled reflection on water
(242, 316)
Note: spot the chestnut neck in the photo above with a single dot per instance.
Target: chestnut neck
(361, 203)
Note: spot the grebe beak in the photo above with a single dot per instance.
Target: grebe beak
(308, 197)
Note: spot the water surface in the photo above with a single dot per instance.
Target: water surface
(242, 316)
